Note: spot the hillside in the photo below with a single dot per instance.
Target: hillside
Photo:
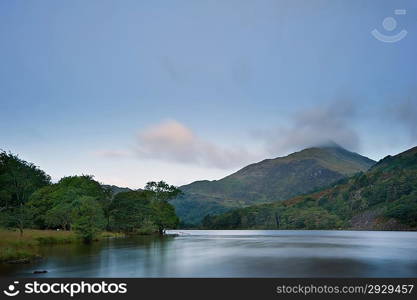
(383, 198)
(269, 180)
(116, 189)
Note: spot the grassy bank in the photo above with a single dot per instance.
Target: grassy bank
(16, 248)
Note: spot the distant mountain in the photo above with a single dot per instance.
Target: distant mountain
(383, 198)
(269, 180)
(116, 189)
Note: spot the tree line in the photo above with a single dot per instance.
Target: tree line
(28, 199)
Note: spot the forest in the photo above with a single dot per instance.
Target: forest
(28, 199)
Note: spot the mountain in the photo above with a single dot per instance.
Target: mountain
(383, 198)
(116, 189)
(269, 180)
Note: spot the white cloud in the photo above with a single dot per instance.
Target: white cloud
(173, 141)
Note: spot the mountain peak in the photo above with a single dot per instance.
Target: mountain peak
(329, 144)
(270, 180)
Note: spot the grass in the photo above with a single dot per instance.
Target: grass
(108, 234)
(15, 248)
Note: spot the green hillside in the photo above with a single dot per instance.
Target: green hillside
(383, 198)
(269, 180)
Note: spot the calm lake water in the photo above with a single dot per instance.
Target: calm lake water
(234, 253)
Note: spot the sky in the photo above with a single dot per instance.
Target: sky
(181, 90)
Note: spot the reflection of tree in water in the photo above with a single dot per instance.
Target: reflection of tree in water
(154, 262)
(135, 256)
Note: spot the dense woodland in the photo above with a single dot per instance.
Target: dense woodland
(28, 199)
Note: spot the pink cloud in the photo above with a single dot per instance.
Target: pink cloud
(173, 141)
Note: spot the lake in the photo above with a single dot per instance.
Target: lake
(234, 253)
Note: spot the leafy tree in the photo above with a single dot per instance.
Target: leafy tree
(60, 216)
(19, 217)
(162, 191)
(18, 180)
(163, 215)
(52, 205)
(88, 218)
(129, 210)
(106, 203)
(84, 184)
(40, 203)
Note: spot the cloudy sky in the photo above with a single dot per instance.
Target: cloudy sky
(182, 90)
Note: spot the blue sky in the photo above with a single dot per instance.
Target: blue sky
(132, 91)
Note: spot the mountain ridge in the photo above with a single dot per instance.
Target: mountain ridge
(269, 180)
(383, 198)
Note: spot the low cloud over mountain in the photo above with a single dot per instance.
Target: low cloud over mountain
(314, 126)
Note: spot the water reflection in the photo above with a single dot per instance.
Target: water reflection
(235, 254)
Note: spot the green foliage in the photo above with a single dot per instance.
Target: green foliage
(147, 227)
(142, 211)
(41, 202)
(60, 215)
(163, 215)
(270, 217)
(129, 210)
(53, 205)
(311, 218)
(162, 191)
(404, 210)
(28, 199)
(17, 217)
(193, 208)
(9, 254)
(390, 187)
(18, 180)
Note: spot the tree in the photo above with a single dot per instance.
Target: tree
(106, 203)
(40, 203)
(129, 210)
(19, 217)
(60, 216)
(88, 218)
(163, 215)
(52, 205)
(18, 180)
(162, 191)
